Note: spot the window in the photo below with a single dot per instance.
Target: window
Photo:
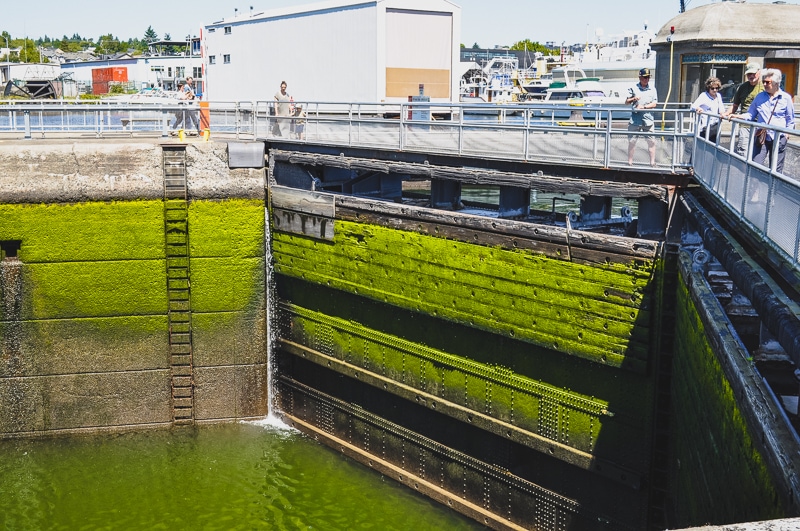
(226, 58)
(212, 59)
(212, 30)
(180, 71)
(169, 71)
(227, 30)
(197, 72)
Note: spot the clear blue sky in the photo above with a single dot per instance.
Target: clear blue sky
(489, 23)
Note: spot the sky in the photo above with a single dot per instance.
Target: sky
(488, 23)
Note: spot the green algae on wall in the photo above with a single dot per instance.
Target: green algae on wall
(92, 231)
(719, 474)
(94, 300)
(571, 419)
(601, 313)
(226, 242)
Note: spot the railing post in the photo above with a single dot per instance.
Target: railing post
(607, 150)
(526, 122)
(164, 123)
(26, 117)
(237, 119)
(403, 126)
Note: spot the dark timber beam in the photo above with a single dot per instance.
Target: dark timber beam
(469, 175)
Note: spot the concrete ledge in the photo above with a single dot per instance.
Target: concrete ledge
(58, 171)
(788, 524)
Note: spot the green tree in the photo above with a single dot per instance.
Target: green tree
(109, 45)
(150, 35)
(530, 46)
(475, 46)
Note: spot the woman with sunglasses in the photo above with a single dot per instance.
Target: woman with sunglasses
(710, 103)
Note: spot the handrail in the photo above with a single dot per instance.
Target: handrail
(760, 197)
(590, 136)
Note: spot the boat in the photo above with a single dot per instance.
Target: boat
(576, 90)
(616, 63)
(493, 84)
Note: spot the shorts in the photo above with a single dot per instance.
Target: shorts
(641, 129)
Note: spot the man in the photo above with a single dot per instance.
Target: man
(773, 107)
(180, 116)
(192, 118)
(642, 96)
(745, 93)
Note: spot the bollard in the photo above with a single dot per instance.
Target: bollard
(181, 135)
(206, 134)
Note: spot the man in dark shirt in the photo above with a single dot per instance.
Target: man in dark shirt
(745, 93)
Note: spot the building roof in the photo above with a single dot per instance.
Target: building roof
(323, 6)
(736, 21)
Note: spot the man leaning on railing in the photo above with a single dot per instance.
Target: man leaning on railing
(772, 107)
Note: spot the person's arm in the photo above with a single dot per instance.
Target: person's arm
(789, 113)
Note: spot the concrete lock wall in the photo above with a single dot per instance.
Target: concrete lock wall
(84, 328)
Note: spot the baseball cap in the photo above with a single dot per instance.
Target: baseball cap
(644, 72)
(752, 68)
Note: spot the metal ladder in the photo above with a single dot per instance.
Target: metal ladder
(176, 234)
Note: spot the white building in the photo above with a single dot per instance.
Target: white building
(343, 51)
(153, 69)
(28, 71)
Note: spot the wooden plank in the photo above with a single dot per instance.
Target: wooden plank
(535, 181)
(305, 201)
(631, 247)
(306, 224)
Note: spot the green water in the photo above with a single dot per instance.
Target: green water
(233, 476)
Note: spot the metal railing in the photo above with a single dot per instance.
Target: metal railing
(767, 200)
(764, 199)
(559, 134)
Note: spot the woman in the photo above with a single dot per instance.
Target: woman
(710, 102)
(283, 101)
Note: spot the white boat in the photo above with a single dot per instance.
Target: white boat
(577, 91)
(492, 84)
(616, 63)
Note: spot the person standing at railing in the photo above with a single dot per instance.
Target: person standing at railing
(192, 115)
(180, 115)
(642, 96)
(773, 107)
(745, 93)
(710, 102)
(283, 110)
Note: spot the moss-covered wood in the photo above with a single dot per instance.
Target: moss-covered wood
(719, 473)
(599, 313)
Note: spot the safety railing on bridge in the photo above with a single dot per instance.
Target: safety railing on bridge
(767, 199)
(559, 134)
(764, 196)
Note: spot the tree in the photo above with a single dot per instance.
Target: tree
(150, 35)
(530, 46)
(476, 47)
(109, 45)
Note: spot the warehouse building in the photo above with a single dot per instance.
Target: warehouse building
(339, 51)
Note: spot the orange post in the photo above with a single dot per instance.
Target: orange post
(205, 116)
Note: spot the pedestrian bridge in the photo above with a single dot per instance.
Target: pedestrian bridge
(562, 137)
